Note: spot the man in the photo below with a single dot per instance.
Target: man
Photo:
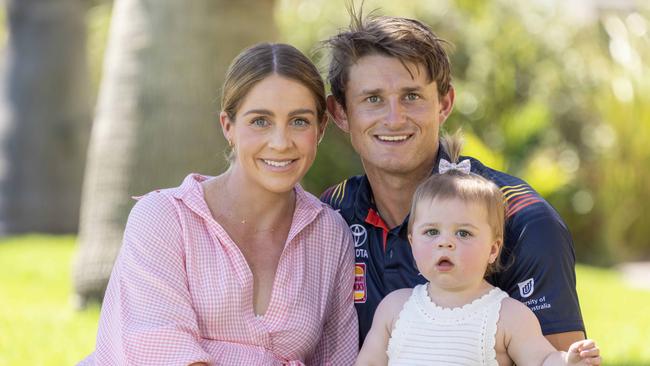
(391, 91)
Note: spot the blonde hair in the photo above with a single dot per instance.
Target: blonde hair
(471, 188)
(261, 60)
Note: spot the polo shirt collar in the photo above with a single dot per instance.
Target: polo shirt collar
(365, 201)
(190, 192)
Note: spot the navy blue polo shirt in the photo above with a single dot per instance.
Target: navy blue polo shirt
(537, 255)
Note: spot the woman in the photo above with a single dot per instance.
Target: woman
(246, 267)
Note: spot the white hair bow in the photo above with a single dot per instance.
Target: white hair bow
(464, 166)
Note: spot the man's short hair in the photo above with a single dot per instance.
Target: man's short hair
(407, 39)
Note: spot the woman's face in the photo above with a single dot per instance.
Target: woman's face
(274, 135)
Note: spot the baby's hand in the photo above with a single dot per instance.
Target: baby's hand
(583, 353)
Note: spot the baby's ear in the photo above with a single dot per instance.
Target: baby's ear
(494, 250)
(410, 238)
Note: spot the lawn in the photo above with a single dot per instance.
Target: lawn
(38, 325)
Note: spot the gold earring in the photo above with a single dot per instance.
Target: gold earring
(230, 143)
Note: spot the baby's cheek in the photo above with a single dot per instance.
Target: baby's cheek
(423, 258)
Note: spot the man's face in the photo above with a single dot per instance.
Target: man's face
(393, 118)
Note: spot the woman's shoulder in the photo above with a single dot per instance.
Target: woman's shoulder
(164, 203)
(334, 217)
(326, 214)
(155, 212)
(156, 203)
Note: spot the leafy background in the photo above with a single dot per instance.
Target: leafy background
(553, 91)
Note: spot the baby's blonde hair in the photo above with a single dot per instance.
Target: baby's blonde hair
(470, 188)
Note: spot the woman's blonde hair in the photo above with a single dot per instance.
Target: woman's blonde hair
(471, 188)
(261, 60)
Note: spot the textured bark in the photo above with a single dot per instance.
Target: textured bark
(45, 117)
(157, 113)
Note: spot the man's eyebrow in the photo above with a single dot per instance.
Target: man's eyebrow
(371, 91)
(409, 89)
(406, 89)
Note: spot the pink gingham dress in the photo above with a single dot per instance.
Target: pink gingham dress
(181, 291)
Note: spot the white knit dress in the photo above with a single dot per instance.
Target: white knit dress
(427, 334)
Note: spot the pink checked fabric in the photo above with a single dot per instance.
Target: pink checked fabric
(181, 291)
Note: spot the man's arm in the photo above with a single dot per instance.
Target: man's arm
(541, 274)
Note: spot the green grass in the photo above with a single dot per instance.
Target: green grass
(38, 325)
(616, 316)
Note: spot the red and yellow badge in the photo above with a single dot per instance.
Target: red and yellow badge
(360, 283)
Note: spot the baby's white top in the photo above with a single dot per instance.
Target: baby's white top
(427, 334)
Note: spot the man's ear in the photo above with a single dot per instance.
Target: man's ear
(226, 127)
(322, 126)
(337, 113)
(447, 104)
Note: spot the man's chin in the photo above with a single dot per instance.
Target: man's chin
(389, 167)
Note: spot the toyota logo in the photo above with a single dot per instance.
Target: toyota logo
(359, 234)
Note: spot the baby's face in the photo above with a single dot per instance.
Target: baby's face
(452, 242)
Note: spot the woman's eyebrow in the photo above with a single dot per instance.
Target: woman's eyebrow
(301, 111)
(264, 112)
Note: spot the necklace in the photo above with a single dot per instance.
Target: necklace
(243, 223)
(225, 212)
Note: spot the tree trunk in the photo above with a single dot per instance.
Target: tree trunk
(157, 113)
(44, 117)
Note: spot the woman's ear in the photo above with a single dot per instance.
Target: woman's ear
(226, 127)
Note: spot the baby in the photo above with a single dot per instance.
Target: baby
(458, 318)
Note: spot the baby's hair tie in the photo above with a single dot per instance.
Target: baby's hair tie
(464, 166)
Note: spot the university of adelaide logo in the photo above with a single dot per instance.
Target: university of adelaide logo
(360, 283)
(527, 287)
(359, 234)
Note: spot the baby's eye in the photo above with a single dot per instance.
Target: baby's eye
(464, 233)
(431, 232)
(260, 122)
(412, 96)
(373, 99)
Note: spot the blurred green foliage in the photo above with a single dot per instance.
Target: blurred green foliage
(555, 96)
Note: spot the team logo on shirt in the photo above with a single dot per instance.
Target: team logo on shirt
(527, 287)
(360, 283)
(359, 234)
